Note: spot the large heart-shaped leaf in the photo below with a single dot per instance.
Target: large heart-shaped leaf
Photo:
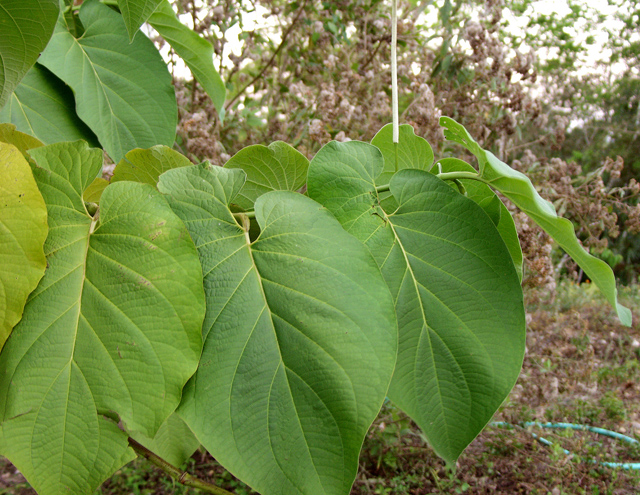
(300, 337)
(136, 13)
(196, 52)
(26, 27)
(23, 230)
(518, 188)
(112, 332)
(123, 90)
(44, 107)
(277, 167)
(458, 298)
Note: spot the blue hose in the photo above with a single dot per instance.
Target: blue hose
(572, 426)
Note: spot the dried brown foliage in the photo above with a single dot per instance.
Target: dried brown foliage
(321, 72)
(322, 84)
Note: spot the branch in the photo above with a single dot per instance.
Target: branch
(373, 53)
(180, 476)
(272, 59)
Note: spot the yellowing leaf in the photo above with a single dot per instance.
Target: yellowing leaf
(111, 334)
(23, 230)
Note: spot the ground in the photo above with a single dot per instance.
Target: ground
(581, 366)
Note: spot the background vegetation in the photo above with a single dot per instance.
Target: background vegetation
(554, 93)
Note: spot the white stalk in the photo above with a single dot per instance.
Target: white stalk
(394, 70)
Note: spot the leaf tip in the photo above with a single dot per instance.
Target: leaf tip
(446, 121)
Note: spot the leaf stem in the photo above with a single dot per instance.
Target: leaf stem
(460, 175)
(444, 176)
(180, 476)
(249, 214)
(395, 153)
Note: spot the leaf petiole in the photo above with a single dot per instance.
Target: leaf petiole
(444, 176)
(180, 476)
(248, 214)
(460, 175)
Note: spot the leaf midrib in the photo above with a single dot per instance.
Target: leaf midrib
(424, 318)
(92, 225)
(76, 41)
(282, 363)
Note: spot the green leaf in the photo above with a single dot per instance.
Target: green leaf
(491, 204)
(174, 441)
(518, 188)
(111, 334)
(136, 13)
(196, 52)
(458, 299)
(26, 27)
(123, 91)
(146, 165)
(43, 106)
(300, 337)
(93, 193)
(411, 151)
(10, 135)
(277, 167)
(23, 230)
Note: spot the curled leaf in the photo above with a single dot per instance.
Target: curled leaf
(518, 188)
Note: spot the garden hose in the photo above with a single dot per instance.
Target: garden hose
(579, 427)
